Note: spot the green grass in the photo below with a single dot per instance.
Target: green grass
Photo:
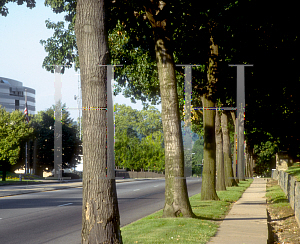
(154, 229)
(276, 197)
(13, 178)
(277, 200)
(294, 170)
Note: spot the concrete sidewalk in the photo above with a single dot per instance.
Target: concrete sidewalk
(246, 222)
(13, 190)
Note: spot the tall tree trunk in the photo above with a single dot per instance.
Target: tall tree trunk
(241, 159)
(246, 164)
(100, 214)
(251, 164)
(235, 147)
(35, 171)
(219, 154)
(208, 190)
(4, 168)
(229, 179)
(176, 196)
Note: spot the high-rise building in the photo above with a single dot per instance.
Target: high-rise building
(12, 96)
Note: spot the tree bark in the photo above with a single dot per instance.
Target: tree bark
(229, 179)
(35, 171)
(100, 214)
(235, 147)
(248, 162)
(249, 165)
(208, 190)
(219, 155)
(176, 196)
(3, 168)
(252, 164)
(241, 160)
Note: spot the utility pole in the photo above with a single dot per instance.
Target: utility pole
(57, 125)
(78, 98)
(25, 111)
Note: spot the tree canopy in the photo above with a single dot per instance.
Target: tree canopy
(139, 138)
(43, 124)
(264, 41)
(13, 130)
(4, 9)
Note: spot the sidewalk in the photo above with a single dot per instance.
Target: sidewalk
(246, 222)
(12, 190)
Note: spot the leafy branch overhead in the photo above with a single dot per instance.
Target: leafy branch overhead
(61, 47)
(4, 9)
(240, 38)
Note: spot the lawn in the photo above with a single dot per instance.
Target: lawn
(294, 170)
(154, 229)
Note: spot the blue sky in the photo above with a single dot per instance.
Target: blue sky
(21, 56)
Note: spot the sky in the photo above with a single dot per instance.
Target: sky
(21, 57)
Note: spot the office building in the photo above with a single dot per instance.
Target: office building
(12, 96)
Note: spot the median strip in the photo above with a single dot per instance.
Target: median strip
(65, 204)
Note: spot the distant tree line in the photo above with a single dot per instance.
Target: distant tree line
(15, 132)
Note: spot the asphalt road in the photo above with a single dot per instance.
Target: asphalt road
(54, 217)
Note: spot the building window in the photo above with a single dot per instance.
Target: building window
(15, 93)
(17, 104)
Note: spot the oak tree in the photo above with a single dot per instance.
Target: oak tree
(100, 213)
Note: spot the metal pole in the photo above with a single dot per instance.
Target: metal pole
(78, 98)
(187, 136)
(241, 117)
(110, 124)
(57, 125)
(26, 164)
(188, 122)
(79, 91)
(110, 163)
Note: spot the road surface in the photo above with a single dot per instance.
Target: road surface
(54, 217)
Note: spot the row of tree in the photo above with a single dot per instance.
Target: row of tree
(39, 136)
(213, 34)
(163, 23)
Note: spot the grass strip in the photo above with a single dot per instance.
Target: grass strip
(295, 171)
(276, 197)
(156, 230)
(17, 182)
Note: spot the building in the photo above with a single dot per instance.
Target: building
(12, 96)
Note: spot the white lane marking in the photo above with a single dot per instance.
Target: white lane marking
(0, 218)
(155, 186)
(65, 204)
(136, 190)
